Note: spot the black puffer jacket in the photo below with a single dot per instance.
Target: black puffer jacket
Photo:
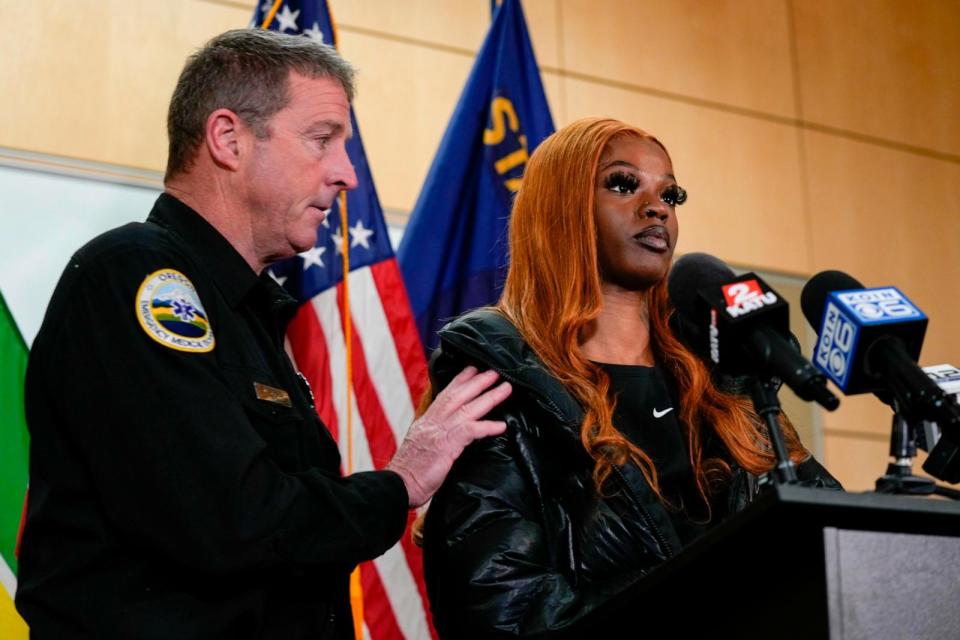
(517, 541)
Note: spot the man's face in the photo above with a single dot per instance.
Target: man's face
(294, 176)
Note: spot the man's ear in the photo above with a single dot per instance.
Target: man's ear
(223, 136)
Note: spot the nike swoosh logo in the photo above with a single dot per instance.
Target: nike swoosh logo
(660, 414)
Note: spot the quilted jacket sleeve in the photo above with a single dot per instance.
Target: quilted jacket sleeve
(499, 553)
(491, 552)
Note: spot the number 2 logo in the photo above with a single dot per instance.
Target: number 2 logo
(739, 292)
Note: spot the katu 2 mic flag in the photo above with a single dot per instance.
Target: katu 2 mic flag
(358, 332)
(454, 251)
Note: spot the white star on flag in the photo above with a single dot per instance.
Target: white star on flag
(266, 6)
(313, 257)
(278, 279)
(337, 241)
(314, 32)
(287, 19)
(359, 235)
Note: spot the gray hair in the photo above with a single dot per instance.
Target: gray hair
(246, 71)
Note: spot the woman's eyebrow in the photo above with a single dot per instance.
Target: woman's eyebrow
(619, 163)
(624, 163)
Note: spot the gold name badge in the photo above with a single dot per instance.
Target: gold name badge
(272, 394)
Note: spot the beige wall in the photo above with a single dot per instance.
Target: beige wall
(811, 134)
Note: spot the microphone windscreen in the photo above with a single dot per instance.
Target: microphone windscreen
(689, 274)
(814, 294)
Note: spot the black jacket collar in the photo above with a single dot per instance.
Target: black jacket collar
(486, 337)
(231, 273)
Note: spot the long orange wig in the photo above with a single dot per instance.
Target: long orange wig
(553, 294)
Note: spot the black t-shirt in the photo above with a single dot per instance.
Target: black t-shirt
(646, 413)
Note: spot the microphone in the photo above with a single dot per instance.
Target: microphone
(860, 329)
(947, 378)
(740, 325)
(869, 340)
(942, 441)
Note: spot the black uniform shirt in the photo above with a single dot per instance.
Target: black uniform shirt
(181, 483)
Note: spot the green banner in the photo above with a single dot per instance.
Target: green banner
(14, 440)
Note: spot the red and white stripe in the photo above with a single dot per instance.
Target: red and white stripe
(389, 374)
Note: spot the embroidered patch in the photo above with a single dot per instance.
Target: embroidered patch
(169, 310)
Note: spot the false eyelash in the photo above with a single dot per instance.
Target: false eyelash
(674, 195)
(621, 182)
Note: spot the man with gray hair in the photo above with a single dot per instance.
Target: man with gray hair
(182, 485)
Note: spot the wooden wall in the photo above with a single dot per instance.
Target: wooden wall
(811, 134)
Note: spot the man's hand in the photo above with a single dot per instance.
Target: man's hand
(452, 422)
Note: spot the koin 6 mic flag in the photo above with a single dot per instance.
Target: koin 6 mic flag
(848, 317)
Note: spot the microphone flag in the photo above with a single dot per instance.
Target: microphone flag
(850, 318)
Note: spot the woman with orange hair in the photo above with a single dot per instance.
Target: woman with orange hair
(619, 448)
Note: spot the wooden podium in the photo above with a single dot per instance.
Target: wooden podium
(807, 563)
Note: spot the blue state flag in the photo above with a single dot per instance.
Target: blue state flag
(454, 252)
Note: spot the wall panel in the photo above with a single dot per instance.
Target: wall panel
(856, 462)
(94, 82)
(885, 68)
(543, 22)
(734, 52)
(461, 24)
(862, 414)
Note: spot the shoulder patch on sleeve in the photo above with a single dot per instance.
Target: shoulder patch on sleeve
(169, 310)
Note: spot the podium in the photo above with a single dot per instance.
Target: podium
(808, 563)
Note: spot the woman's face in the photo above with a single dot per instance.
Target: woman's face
(636, 221)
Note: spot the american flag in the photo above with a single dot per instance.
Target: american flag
(387, 365)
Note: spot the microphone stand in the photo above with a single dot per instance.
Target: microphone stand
(767, 405)
(899, 478)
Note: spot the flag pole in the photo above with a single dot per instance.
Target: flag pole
(356, 587)
(347, 325)
(268, 19)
